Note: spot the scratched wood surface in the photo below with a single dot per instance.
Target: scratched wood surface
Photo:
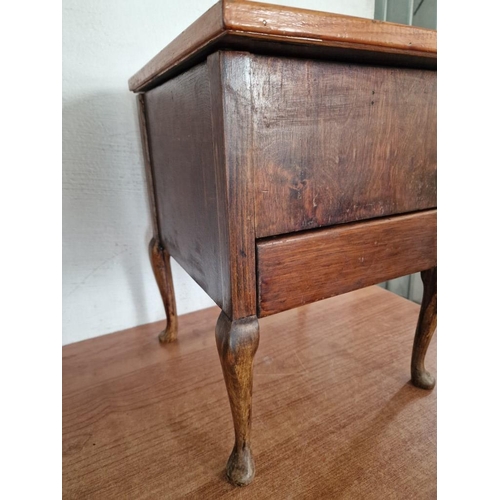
(334, 414)
(338, 142)
(231, 23)
(230, 84)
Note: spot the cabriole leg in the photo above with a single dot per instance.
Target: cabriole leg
(426, 325)
(160, 260)
(237, 342)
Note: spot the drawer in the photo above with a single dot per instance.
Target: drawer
(302, 268)
(337, 143)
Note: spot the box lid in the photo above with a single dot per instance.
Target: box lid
(275, 29)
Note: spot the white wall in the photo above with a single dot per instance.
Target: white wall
(108, 284)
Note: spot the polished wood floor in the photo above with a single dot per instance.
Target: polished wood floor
(334, 414)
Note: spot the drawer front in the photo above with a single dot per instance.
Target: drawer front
(299, 269)
(336, 143)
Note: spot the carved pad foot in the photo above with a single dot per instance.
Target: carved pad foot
(423, 380)
(169, 334)
(240, 468)
(426, 325)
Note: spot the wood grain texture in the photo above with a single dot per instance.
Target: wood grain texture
(230, 87)
(427, 321)
(159, 256)
(338, 142)
(141, 108)
(243, 20)
(303, 268)
(268, 19)
(200, 131)
(237, 342)
(334, 413)
(179, 122)
(160, 261)
(285, 46)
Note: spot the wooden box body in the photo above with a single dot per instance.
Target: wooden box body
(246, 146)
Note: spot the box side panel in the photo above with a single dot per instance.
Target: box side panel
(179, 122)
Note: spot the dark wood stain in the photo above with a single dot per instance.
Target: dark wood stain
(244, 146)
(179, 117)
(298, 168)
(299, 269)
(141, 109)
(337, 143)
(243, 25)
(159, 256)
(266, 19)
(233, 138)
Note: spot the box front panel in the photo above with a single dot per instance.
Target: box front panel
(336, 143)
